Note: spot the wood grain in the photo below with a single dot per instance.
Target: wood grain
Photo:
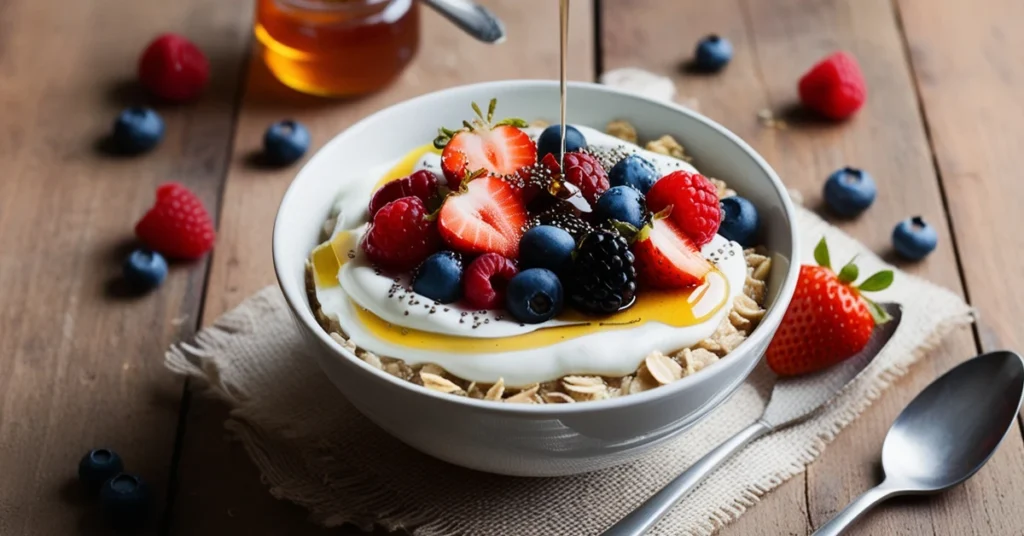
(776, 42)
(220, 491)
(643, 34)
(969, 66)
(80, 358)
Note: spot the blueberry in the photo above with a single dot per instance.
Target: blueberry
(546, 246)
(550, 141)
(285, 142)
(98, 466)
(622, 203)
(713, 53)
(534, 296)
(849, 191)
(145, 269)
(440, 277)
(914, 238)
(634, 171)
(125, 500)
(739, 220)
(137, 130)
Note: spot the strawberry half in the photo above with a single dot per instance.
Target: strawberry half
(666, 258)
(828, 320)
(481, 148)
(486, 216)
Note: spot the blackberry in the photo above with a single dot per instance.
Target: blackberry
(603, 278)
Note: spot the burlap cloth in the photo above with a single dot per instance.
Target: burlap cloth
(316, 450)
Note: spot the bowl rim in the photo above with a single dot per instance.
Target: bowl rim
(298, 301)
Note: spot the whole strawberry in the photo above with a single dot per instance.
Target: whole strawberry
(178, 225)
(402, 235)
(834, 87)
(174, 69)
(828, 319)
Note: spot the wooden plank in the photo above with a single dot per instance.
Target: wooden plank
(219, 488)
(642, 33)
(887, 138)
(80, 361)
(968, 66)
(966, 61)
(775, 43)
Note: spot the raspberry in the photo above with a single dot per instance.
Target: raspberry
(694, 202)
(422, 184)
(174, 69)
(532, 180)
(585, 172)
(401, 235)
(485, 279)
(834, 87)
(177, 225)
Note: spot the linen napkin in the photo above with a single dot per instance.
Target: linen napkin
(317, 451)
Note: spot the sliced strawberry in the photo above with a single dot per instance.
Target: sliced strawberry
(484, 148)
(488, 215)
(499, 152)
(666, 258)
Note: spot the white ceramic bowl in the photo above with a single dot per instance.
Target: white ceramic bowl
(514, 439)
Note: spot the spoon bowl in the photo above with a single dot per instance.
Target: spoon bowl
(946, 434)
(954, 426)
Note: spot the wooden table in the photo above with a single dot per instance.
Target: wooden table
(81, 363)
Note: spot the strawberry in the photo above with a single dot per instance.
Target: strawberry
(480, 148)
(828, 319)
(174, 69)
(401, 235)
(666, 258)
(834, 87)
(486, 215)
(422, 184)
(695, 204)
(177, 225)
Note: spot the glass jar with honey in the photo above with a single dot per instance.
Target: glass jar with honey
(337, 48)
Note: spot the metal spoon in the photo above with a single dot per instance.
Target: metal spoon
(946, 433)
(793, 400)
(474, 19)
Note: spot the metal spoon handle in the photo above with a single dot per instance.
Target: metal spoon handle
(855, 510)
(639, 521)
(474, 19)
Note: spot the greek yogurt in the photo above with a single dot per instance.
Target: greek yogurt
(378, 313)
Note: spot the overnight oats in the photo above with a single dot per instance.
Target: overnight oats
(490, 264)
